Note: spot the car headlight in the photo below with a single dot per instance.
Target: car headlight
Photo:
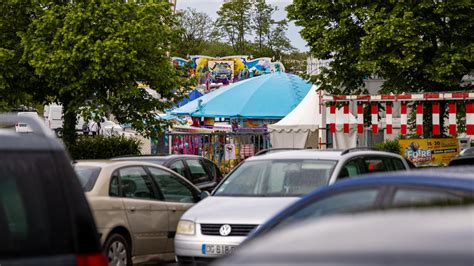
(185, 227)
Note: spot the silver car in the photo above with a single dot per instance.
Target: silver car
(262, 186)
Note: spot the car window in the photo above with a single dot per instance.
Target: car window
(33, 213)
(135, 183)
(405, 196)
(212, 168)
(277, 178)
(172, 188)
(344, 202)
(114, 189)
(178, 167)
(87, 175)
(198, 174)
(351, 168)
(398, 164)
(373, 165)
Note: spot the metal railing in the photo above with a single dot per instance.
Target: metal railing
(226, 149)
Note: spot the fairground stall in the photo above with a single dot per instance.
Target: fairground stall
(238, 115)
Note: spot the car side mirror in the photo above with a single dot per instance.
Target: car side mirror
(203, 195)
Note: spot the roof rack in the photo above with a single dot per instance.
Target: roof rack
(265, 151)
(39, 128)
(359, 149)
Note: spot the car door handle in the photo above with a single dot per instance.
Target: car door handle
(173, 209)
(132, 209)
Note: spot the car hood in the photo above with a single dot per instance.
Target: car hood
(237, 210)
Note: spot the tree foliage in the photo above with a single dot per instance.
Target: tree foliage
(241, 19)
(195, 30)
(413, 45)
(262, 23)
(17, 80)
(95, 55)
(234, 22)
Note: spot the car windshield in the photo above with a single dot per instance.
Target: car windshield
(87, 175)
(277, 178)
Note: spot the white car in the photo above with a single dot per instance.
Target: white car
(262, 186)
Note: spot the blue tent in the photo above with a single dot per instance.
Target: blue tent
(192, 106)
(270, 96)
(193, 95)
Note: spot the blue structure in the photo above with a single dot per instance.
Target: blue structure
(270, 96)
(193, 95)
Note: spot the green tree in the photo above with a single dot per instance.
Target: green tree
(413, 45)
(94, 55)
(262, 23)
(278, 43)
(196, 30)
(18, 83)
(234, 23)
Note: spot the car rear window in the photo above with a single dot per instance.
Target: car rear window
(87, 175)
(34, 218)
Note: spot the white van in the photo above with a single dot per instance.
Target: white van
(23, 127)
(53, 115)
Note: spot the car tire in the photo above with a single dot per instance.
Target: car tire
(118, 250)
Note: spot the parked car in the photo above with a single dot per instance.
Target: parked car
(23, 127)
(200, 171)
(462, 160)
(432, 236)
(136, 206)
(44, 215)
(262, 186)
(467, 152)
(378, 192)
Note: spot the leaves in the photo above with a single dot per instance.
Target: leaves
(415, 46)
(96, 56)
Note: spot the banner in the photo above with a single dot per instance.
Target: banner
(429, 152)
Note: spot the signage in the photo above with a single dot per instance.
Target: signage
(429, 152)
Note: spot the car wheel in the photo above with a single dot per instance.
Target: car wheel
(117, 251)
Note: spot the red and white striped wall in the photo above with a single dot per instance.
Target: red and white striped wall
(374, 100)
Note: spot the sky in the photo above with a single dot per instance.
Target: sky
(211, 6)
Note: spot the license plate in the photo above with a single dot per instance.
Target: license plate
(217, 249)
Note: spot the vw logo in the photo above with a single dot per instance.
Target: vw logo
(225, 230)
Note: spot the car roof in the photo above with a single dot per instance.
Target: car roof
(328, 154)
(467, 157)
(450, 177)
(111, 163)
(40, 139)
(394, 235)
(156, 157)
(12, 141)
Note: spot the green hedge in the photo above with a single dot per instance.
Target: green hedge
(390, 146)
(101, 147)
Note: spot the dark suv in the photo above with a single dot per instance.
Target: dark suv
(44, 215)
(200, 171)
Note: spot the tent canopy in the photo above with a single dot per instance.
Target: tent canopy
(305, 116)
(299, 129)
(270, 96)
(194, 105)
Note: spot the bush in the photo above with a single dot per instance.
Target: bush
(101, 147)
(390, 146)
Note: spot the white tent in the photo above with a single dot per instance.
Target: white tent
(299, 129)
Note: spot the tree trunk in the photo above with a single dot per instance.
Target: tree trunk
(69, 124)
